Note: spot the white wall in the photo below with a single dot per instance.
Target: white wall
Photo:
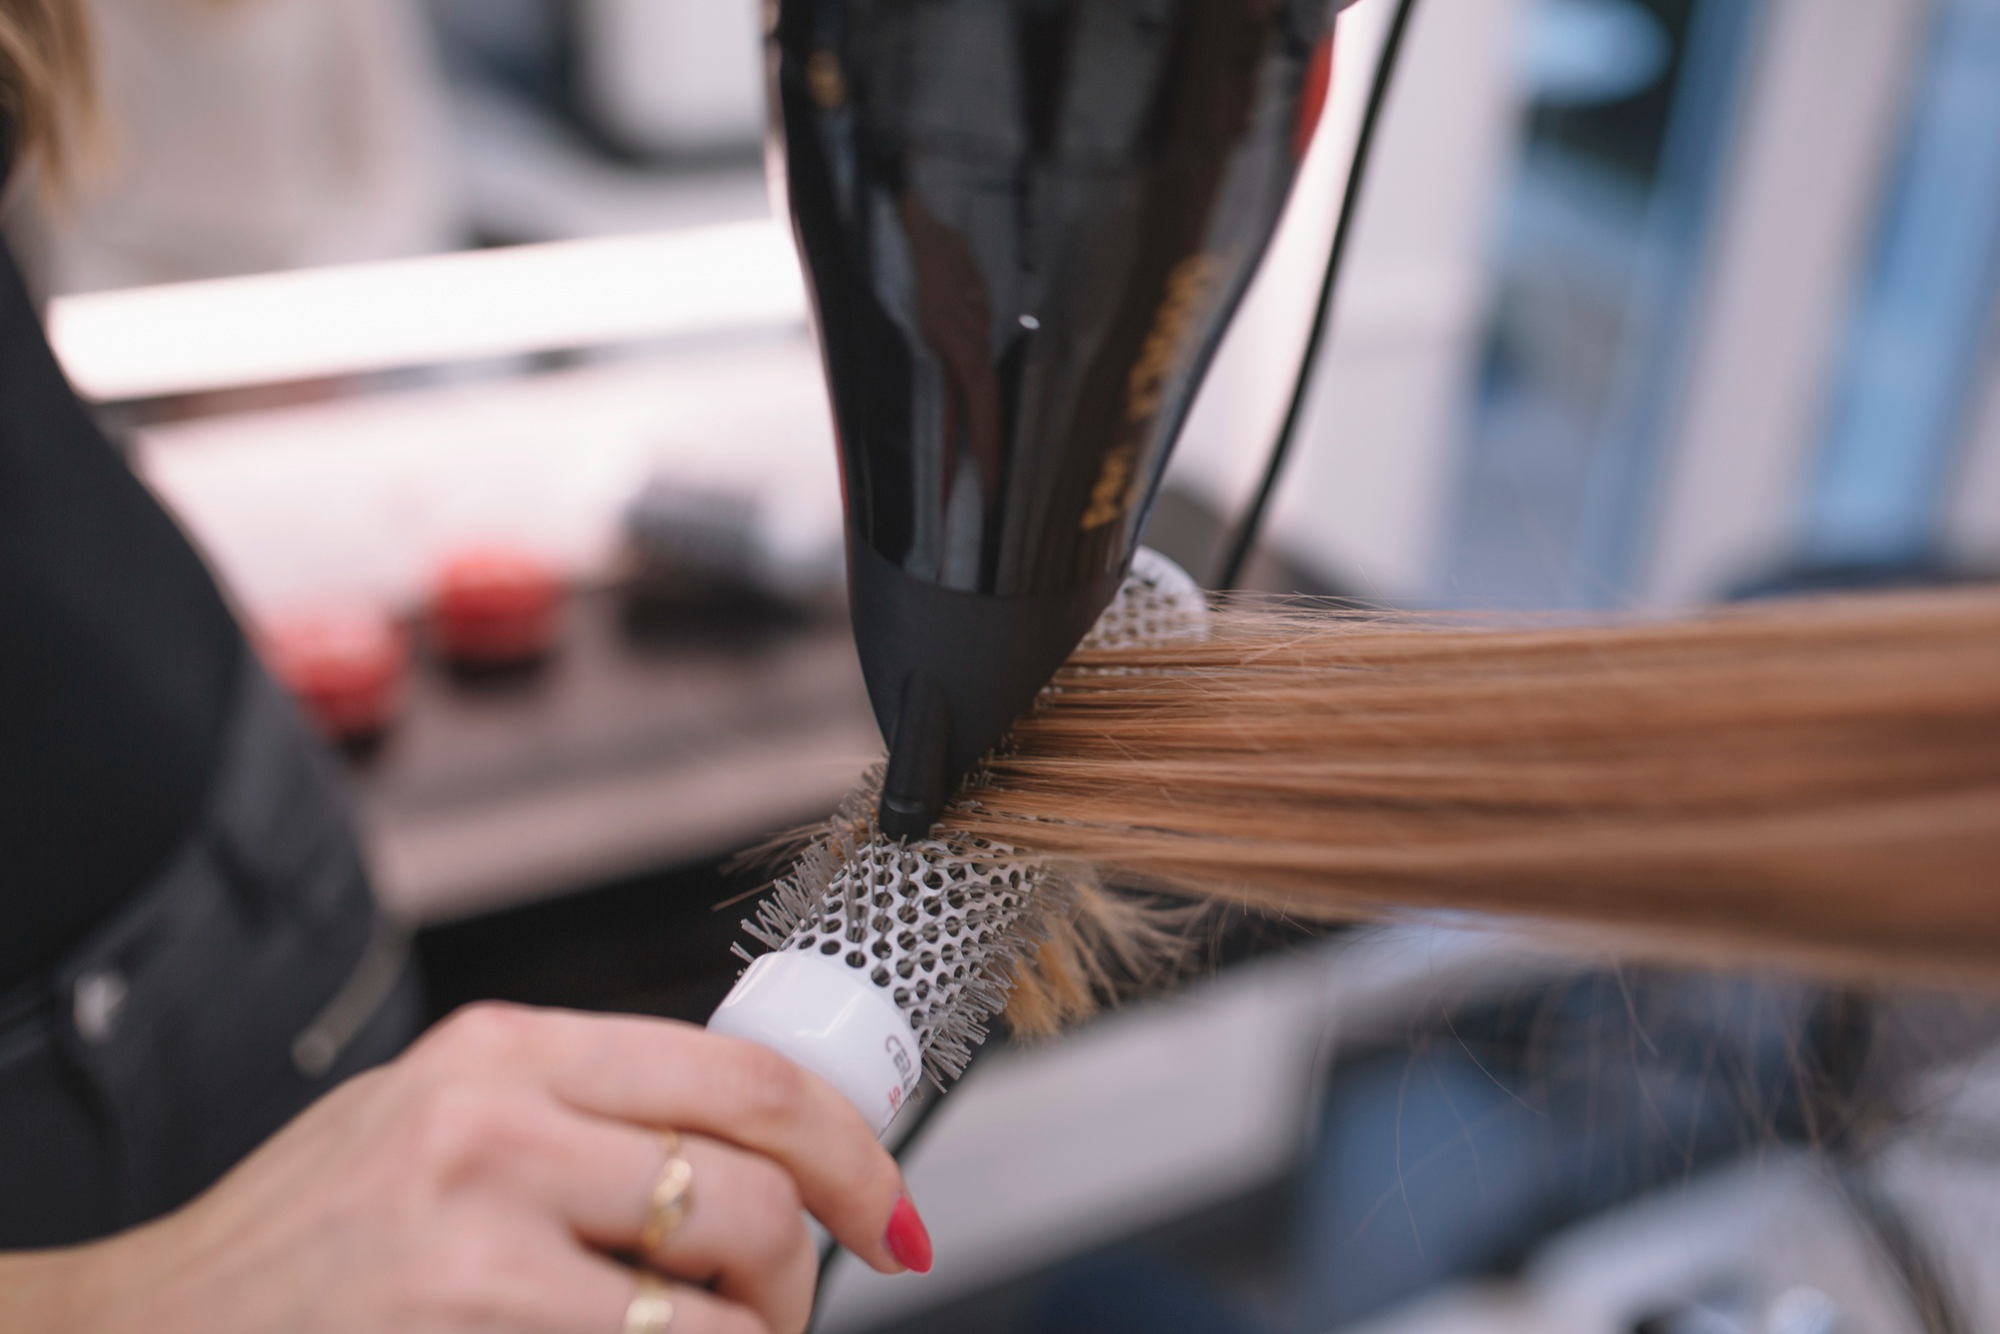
(1370, 484)
(1365, 493)
(1819, 130)
(676, 75)
(1972, 519)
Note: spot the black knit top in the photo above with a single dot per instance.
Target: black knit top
(117, 657)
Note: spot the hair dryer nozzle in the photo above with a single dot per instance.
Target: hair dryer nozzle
(949, 671)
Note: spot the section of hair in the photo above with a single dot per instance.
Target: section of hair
(47, 87)
(1105, 944)
(1819, 775)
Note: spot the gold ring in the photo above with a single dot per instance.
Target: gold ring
(673, 1196)
(650, 1312)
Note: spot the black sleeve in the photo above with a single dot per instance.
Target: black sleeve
(117, 657)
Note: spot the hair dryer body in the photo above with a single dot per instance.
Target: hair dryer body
(1025, 224)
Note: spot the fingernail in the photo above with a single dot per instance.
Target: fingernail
(907, 1239)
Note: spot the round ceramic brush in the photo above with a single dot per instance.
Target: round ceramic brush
(888, 956)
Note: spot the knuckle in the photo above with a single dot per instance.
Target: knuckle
(771, 1200)
(446, 1125)
(773, 1089)
(459, 1127)
(778, 1194)
(484, 1029)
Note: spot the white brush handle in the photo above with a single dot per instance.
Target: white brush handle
(830, 1019)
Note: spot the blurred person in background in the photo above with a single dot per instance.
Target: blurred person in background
(242, 136)
(196, 983)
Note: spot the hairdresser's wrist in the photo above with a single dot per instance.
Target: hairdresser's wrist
(114, 1286)
(55, 1290)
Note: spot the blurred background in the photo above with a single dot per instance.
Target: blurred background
(461, 336)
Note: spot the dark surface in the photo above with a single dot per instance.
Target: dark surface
(630, 681)
(1450, 1151)
(657, 943)
(117, 657)
(1025, 226)
(1216, 1271)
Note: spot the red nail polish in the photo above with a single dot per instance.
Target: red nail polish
(907, 1239)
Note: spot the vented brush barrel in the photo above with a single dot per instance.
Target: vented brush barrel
(1025, 224)
(895, 961)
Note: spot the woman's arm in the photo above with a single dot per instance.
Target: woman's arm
(43, 1289)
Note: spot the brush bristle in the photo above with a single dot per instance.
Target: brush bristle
(942, 925)
(1159, 603)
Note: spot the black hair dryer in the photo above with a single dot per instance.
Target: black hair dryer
(1025, 224)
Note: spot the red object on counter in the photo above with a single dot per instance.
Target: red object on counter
(344, 666)
(495, 608)
(1312, 98)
